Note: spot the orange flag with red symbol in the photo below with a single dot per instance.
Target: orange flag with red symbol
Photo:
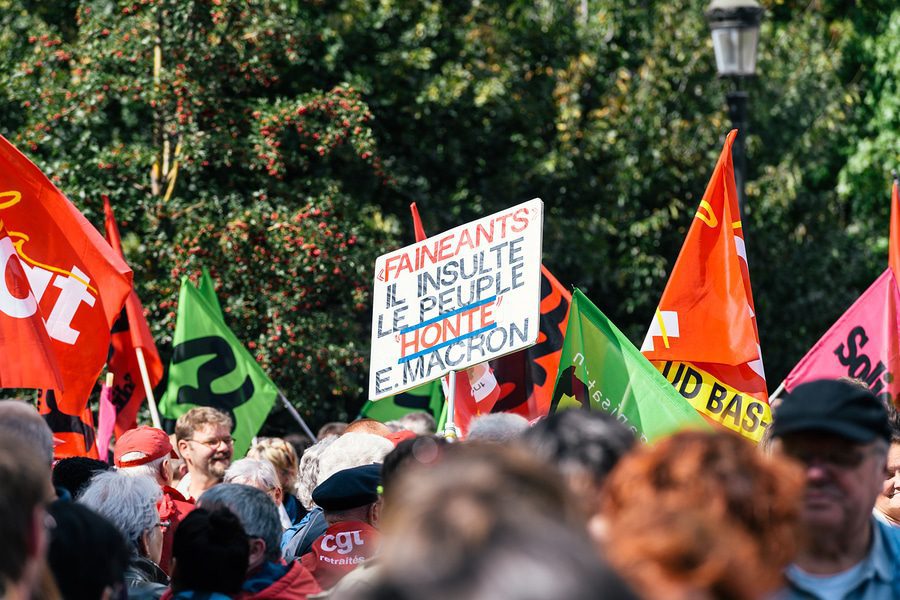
(79, 283)
(703, 337)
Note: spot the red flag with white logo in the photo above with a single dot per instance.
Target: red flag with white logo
(79, 283)
(28, 360)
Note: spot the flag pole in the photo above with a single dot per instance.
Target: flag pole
(777, 391)
(450, 431)
(290, 408)
(148, 389)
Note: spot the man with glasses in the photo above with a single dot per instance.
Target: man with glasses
(204, 441)
(838, 432)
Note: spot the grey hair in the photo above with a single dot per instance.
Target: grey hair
(150, 469)
(255, 472)
(129, 503)
(309, 470)
(21, 418)
(253, 508)
(353, 449)
(497, 427)
(420, 423)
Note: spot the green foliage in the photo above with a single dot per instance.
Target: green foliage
(279, 144)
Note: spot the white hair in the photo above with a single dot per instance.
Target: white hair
(308, 475)
(353, 449)
(420, 423)
(255, 472)
(129, 503)
(150, 469)
(497, 427)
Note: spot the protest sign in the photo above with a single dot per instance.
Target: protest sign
(456, 299)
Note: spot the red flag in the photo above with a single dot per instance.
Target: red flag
(703, 337)
(28, 360)
(129, 332)
(75, 434)
(79, 282)
(894, 243)
(527, 377)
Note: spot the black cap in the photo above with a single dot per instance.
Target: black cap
(842, 408)
(350, 488)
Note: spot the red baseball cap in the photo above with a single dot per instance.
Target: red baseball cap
(152, 442)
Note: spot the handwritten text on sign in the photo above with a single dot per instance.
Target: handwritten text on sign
(456, 299)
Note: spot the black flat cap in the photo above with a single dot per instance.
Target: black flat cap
(842, 408)
(350, 488)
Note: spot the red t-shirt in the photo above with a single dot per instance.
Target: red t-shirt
(172, 507)
(339, 550)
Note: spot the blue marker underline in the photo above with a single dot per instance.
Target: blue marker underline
(447, 343)
(445, 315)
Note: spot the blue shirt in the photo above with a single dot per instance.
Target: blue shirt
(876, 577)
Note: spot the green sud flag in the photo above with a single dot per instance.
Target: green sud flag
(600, 369)
(427, 398)
(210, 367)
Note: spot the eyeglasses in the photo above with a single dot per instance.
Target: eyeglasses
(228, 441)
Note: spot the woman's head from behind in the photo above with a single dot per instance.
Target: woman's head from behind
(703, 513)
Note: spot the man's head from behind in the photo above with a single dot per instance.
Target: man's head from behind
(145, 451)
(20, 417)
(839, 432)
(257, 514)
(23, 494)
(204, 440)
(351, 495)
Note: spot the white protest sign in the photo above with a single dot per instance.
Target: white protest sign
(456, 299)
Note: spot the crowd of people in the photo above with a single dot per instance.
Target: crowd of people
(571, 506)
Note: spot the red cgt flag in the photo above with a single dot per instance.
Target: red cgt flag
(78, 281)
(30, 362)
(129, 332)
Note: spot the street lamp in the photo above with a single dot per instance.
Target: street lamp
(735, 35)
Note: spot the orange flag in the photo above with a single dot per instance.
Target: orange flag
(894, 243)
(78, 281)
(130, 332)
(703, 337)
(28, 360)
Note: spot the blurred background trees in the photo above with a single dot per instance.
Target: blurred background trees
(279, 143)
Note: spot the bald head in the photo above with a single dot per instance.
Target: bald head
(22, 419)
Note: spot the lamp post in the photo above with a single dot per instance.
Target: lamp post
(735, 35)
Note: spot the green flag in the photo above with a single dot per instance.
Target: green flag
(208, 291)
(426, 398)
(210, 367)
(600, 369)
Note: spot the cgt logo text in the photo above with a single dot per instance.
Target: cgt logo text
(342, 542)
(74, 289)
(859, 365)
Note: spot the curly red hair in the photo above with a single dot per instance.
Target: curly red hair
(703, 513)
